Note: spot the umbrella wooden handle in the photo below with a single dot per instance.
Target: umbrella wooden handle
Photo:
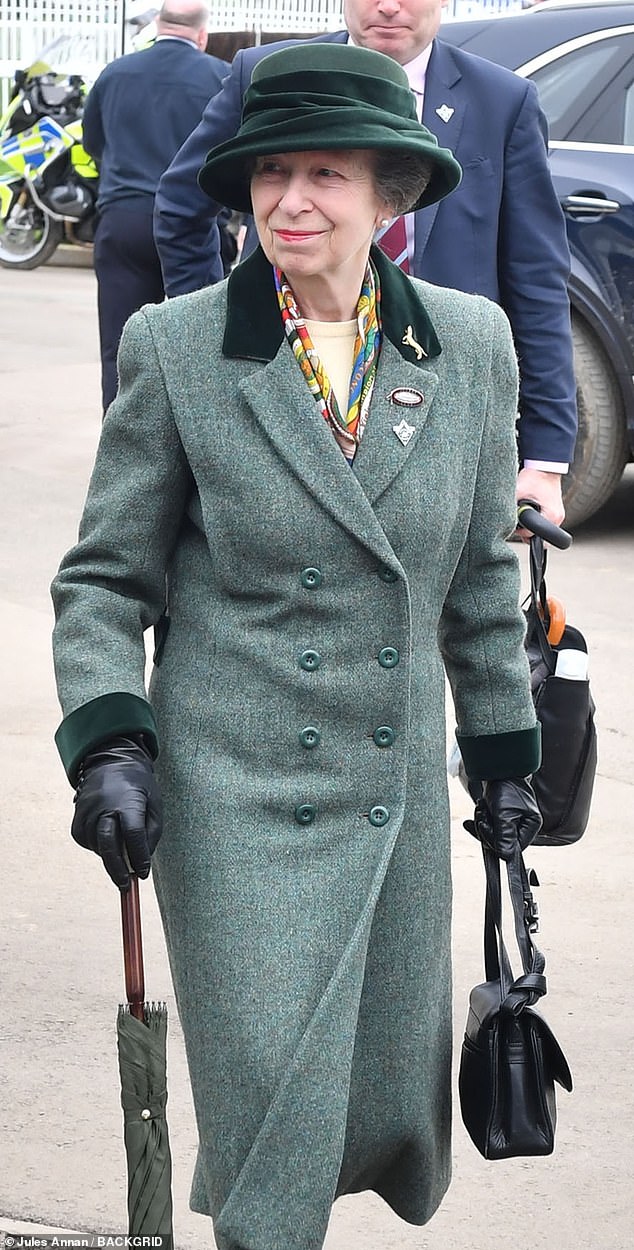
(133, 948)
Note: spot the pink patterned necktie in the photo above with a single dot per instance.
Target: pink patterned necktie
(393, 242)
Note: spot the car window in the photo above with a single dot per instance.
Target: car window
(628, 116)
(587, 94)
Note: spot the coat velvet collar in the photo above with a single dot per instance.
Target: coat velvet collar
(254, 329)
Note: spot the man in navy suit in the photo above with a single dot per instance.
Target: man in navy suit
(501, 233)
(139, 112)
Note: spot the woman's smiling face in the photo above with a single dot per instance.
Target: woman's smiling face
(316, 213)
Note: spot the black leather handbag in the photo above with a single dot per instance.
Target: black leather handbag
(565, 709)
(510, 1059)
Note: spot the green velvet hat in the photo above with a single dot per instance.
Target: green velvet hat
(326, 96)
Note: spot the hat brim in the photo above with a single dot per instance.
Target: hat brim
(226, 174)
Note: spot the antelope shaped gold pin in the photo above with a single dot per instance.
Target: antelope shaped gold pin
(408, 340)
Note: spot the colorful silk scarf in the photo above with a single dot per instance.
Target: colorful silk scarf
(367, 345)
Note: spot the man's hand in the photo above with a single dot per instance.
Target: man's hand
(545, 489)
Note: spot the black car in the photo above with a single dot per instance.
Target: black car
(581, 58)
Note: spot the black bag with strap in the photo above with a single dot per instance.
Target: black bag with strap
(565, 709)
(510, 1059)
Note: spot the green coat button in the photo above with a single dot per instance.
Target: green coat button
(388, 657)
(310, 737)
(309, 661)
(310, 578)
(305, 813)
(384, 736)
(387, 575)
(378, 816)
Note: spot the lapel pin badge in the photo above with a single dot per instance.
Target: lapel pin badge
(445, 113)
(404, 431)
(406, 397)
(408, 340)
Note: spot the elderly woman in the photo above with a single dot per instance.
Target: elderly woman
(306, 483)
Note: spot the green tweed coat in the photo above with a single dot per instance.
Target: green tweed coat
(298, 703)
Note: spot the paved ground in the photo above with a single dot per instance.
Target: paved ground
(60, 960)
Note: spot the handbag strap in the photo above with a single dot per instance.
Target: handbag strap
(538, 619)
(496, 961)
(537, 566)
(515, 993)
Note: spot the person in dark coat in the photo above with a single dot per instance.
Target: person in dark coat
(316, 457)
(502, 234)
(138, 114)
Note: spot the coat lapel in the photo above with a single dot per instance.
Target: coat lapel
(441, 94)
(383, 452)
(281, 402)
(303, 440)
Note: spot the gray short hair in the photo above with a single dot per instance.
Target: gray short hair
(400, 178)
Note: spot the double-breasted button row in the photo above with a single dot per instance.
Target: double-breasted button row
(310, 736)
(311, 577)
(310, 659)
(378, 815)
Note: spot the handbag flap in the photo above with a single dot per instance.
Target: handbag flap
(555, 1061)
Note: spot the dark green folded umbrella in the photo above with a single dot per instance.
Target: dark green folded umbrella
(141, 1039)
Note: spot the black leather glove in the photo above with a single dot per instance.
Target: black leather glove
(506, 814)
(118, 808)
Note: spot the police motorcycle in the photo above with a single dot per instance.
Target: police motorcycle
(48, 183)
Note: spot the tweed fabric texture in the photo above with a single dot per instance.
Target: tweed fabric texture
(311, 961)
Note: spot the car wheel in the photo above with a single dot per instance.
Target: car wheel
(601, 451)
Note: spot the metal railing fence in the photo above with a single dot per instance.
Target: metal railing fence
(96, 31)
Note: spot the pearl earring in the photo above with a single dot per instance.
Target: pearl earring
(385, 221)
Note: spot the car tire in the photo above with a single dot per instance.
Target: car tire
(601, 450)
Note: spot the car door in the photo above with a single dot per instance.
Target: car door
(586, 89)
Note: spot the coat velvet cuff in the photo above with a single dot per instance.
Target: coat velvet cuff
(109, 716)
(498, 757)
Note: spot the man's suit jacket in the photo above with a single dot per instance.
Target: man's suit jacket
(500, 234)
(141, 110)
